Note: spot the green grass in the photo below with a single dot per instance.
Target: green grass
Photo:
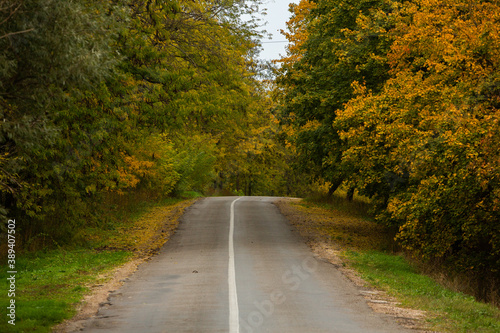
(50, 283)
(190, 195)
(368, 253)
(360, 206)
(119, 210)
(448, 311)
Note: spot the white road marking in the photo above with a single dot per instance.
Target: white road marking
(234, 321)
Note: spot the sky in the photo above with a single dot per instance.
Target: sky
(277, 15)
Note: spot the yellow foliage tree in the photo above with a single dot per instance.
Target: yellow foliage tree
(424, 144)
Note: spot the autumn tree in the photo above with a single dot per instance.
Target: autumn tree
(297, 33)
(334, 43)
(116, 97)
(400, 100)
(428, 135)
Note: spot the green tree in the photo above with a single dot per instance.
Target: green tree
(108, 98)
(346, 41)
(48, 49)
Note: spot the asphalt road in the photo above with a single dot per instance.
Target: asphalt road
(234, 266)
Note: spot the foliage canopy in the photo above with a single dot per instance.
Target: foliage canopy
(102, 100)
(400, 100)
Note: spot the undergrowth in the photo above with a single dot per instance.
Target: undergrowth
(52, 280)
(370, 249)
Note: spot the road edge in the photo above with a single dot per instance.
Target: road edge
(378, 300)
(101, 291)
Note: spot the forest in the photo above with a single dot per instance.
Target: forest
(103, 100)
(399, 101)
(395, 100)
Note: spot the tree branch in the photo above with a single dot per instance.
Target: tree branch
(16, 33)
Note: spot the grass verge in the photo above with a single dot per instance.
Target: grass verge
(50, 284)
(368, 249)
(447, 311)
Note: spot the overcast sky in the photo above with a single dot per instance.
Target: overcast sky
(277, 15)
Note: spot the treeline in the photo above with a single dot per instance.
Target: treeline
(400, 101)
(107, 99)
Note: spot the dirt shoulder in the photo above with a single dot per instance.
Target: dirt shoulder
(147, 235)
(328, 233)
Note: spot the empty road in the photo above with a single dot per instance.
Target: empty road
(234, 266)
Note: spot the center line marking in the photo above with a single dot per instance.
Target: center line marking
(234, 317)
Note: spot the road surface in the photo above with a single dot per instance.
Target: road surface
(234, 266)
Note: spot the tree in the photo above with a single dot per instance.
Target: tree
(345, 41)
(428, 136)
(8, 9)
(48, 48)
(104, 99)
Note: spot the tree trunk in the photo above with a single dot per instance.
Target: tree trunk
(335, 185)
(350, 193)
